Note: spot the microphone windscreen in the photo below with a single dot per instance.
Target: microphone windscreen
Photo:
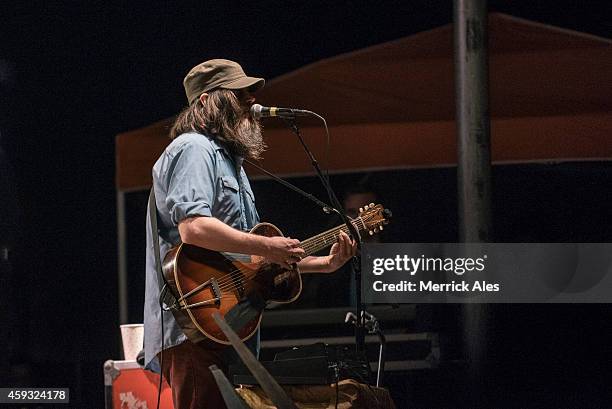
(256, 111)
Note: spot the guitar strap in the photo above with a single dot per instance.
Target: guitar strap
(166, 296)
(326, 208)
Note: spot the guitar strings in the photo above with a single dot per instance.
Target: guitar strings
(228, 283)
(308, 245)
(232, 282)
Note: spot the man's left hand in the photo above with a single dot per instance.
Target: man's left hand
(341, 251)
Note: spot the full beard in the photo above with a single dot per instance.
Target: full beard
(246, 138)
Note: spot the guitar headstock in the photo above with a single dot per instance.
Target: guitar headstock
(372, 218)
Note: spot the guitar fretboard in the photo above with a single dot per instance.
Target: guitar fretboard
(329, 237)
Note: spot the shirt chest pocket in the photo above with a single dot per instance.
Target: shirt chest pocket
(235, 203)
(228, 199)
(229, 184)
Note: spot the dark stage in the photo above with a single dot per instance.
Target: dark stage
(73, 75)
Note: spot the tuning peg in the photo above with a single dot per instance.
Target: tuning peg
(371, 204)
(366, 207)
(371, 233)
(381, 228)
(360, 209)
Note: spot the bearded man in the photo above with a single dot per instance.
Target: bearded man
(203, 198)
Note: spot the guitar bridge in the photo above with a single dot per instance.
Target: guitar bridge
(216, 291)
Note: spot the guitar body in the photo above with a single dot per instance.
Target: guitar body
(206, 281)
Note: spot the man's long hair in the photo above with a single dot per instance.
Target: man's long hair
(224, 117)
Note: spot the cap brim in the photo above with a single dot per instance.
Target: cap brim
(252, 83)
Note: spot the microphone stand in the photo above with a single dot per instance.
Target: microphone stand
(337, 208)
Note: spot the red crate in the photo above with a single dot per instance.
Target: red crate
(128, 386)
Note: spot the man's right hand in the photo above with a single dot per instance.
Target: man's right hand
(283, 251)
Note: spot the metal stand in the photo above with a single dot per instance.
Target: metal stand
(373, 327)
(337, 208)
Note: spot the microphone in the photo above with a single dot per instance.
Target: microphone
(258, 111)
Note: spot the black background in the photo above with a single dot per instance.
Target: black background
(74, 74)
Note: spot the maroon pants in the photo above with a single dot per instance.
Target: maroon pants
(185, 368)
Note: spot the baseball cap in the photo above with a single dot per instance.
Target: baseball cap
(218, 73)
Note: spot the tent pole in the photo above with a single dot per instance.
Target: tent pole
(473, 161)
(473, 122)
(122, 258)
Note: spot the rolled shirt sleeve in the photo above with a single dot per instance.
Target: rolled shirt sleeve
(190, 181)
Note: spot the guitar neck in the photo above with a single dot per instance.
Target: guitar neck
(329, 237)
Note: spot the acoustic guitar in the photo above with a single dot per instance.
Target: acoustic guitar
(205, 281)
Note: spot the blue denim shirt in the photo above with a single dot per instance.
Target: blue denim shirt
(195, 176)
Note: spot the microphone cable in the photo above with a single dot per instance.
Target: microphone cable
(161, 353)
(327, 144)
